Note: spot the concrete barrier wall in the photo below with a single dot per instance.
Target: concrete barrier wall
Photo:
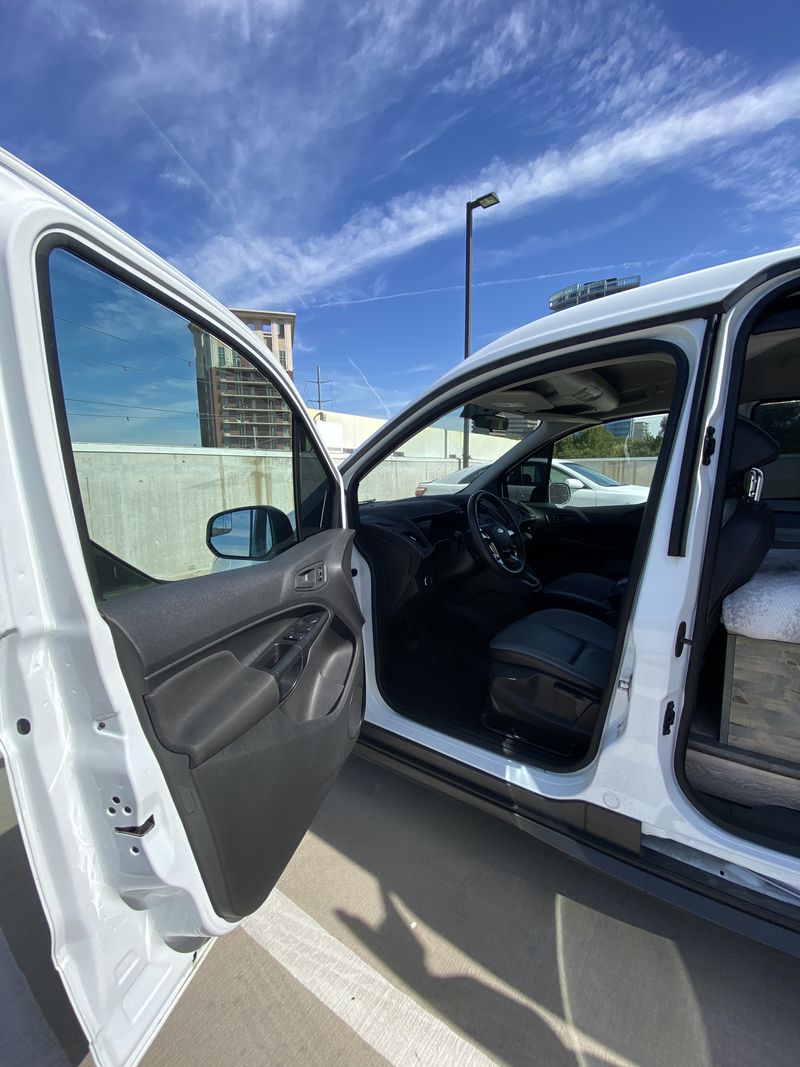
(150, 505)
(637, 471)
(397, 478)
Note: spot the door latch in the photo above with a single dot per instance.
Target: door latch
(681, 640)
(709, 445)
(669, 718)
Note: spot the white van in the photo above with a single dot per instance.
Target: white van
(619, 681)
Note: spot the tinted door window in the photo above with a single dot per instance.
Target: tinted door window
(169, 426)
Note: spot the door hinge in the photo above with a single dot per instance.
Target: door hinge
(625, 685)
(669, 718)
(709, 445)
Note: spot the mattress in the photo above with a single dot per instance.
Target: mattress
(767, 608)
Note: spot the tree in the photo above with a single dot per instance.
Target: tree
(594, 441)
(599, 442)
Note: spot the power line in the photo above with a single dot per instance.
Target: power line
(127, 367)
(133, 407)
(127, 341)
(125, 418)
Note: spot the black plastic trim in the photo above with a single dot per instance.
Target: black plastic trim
(766, 275)
(694, 441)
(598, 838)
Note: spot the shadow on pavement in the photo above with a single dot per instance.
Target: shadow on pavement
(643, 982)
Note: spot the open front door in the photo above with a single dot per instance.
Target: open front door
(181, 662)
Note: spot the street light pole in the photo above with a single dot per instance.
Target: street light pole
(487, 200)
(468, 283)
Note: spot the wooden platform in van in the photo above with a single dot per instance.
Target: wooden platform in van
(761, 698)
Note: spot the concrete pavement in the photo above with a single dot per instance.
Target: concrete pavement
(411, 929)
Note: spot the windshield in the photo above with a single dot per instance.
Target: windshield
(590, 475)
(470, 476)
(445, 456)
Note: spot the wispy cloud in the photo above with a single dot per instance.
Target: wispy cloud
(222, 129)
(688, 262)
(420, 368)
(420, 146)
(437, 133)
(299, 345)
(231, 119)
(536, 244)
(596, 162)
(371, 387)
(764, 173)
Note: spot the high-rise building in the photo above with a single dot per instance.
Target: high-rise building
(621, 427)
(238, 407)
(275, 330)
(582, 292)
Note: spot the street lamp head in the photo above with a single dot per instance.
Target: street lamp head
(487, 200)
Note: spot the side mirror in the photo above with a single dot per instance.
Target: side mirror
(559, 493)
(575, 484)
(256, 533)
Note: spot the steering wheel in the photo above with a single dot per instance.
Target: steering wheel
(495, 533)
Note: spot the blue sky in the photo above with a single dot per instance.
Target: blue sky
(317, 155)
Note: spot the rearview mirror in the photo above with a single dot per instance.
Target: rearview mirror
(259, 532)
(492, 423)
(559, 493)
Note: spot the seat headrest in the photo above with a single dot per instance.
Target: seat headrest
(752, 446)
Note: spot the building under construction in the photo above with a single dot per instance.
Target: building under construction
(583, 292)
(239, 408)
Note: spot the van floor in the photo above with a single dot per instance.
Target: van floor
(436, 671)
(437, 667)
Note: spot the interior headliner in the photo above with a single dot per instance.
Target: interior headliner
(632, 385)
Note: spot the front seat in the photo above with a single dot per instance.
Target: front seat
(548, 670)
(745, 538)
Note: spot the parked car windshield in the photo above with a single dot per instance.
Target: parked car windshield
(590, 475)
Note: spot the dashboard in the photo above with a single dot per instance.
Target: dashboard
(417, 545)
(421, 544)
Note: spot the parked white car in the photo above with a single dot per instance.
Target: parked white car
(168, 738)
(594, 489)
(453, 482)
